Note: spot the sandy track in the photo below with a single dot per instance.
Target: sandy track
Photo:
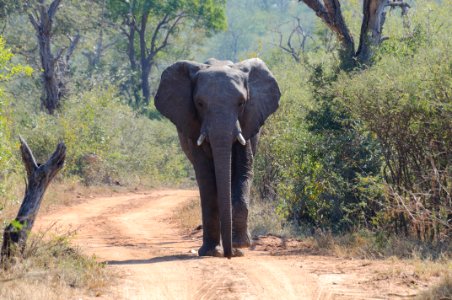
(135, 235)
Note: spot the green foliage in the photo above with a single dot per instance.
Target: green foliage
(404, 101)
(150, 30)
(206, 13)
(319, 166)
(363, 149)
(17, 225)
(348, 158)
(369, 148)
(107, 142)
(8, 70)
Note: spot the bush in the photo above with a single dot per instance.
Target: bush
(107, 142)
(404, 101)
(313, 160)
(369, 148)
(7, 71)
(51, 268)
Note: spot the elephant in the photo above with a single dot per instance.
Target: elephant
(218, 108)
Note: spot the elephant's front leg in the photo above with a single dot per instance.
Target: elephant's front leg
(205, 176)
(242, 177)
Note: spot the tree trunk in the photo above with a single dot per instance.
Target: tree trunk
(43, 27)
(331, 14)
(51, 97)
(145, 60)
(39, 176)
(146, 67)
(133, 63)
(371, 28)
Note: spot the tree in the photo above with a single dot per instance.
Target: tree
(39, 177)
(57, 27)
(149, 27)
(105, 37)
(295, 44)
(54, 66)
(329, 11)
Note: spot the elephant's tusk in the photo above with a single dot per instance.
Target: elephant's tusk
(201, 139)
(241, 139)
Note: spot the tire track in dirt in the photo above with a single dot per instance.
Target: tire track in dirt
(134, 234)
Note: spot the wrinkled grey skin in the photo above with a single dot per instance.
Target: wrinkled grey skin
(220, 100)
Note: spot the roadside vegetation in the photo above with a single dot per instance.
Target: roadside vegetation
(52, 267)
(367, 150)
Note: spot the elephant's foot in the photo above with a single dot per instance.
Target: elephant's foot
(237, 252)
(217, 251)
(241, 239)
(209, 250)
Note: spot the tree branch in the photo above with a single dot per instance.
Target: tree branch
(33, 21)
(53, 8)
(337, 23)
(374, 17)
(156, 32)
(169, 32)
(318, 8)
(27, 157)
(73, 42)
(331, 14)
(403, 5)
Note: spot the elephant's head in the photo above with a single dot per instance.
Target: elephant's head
(220, 103)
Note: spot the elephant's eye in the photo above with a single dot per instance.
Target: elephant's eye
(241, 103)
(200, 104)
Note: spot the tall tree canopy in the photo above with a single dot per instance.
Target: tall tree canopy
(150, 25)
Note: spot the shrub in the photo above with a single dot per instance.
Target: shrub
(404, 101)
(107, 142)
(313, 160)
(51, 259)
(369, 148)
(7, 71)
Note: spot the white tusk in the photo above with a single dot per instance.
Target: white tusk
(241, 139)
(201, 139)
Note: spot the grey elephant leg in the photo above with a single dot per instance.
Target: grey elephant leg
(205, 176)
(241, 183)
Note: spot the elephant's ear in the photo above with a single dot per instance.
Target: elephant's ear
(174, 98)
(263, 96)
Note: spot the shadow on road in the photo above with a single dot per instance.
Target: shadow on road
(153, 260)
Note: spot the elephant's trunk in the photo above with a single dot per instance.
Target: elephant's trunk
(221, 150)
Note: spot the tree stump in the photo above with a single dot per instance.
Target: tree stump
(38, 178)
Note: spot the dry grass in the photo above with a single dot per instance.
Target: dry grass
(189, 215)
(407, 258)
(51, 268)
(263, 220)
(59, 192)
(363, 244)
(370, 245)
(422, 270)
(442, 291)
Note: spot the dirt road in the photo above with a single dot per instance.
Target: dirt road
(136, 236)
